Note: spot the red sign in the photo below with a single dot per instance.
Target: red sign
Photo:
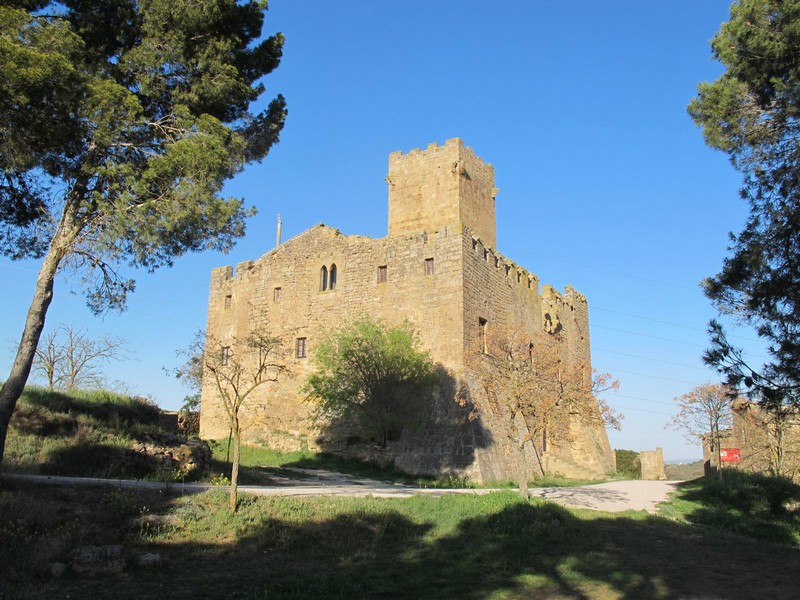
(730, 454)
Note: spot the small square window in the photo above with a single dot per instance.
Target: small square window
(382, 274)
(226, 355)
(301, 348)
(276, 294)
(429, 269)
(228, 301)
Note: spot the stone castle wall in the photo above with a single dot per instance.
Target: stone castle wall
(424, 183)
(303, 310)
(437, 268)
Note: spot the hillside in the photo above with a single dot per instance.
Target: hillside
(97, 434)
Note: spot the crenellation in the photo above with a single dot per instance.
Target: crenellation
(441, 209)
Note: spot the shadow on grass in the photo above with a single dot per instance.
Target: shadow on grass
(751, 504)
(102, 406)
(457, 547)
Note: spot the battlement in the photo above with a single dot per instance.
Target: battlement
(439, 186)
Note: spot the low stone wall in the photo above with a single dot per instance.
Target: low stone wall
(172, 451)
(653, 465)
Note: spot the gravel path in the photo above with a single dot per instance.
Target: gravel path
(616, 496)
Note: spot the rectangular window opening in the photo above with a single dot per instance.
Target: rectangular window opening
(301, 348)
(276, 294)
(228, 301)
(482, 325)
(382, 274)
(429, 268)
(226, 355)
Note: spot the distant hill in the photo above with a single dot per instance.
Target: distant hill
(683, 471)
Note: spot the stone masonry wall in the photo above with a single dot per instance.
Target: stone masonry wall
(424, 183)
(652, 462)
(505, 297)
(439, 269)
(277, 415)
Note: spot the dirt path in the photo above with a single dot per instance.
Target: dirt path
(616, 496)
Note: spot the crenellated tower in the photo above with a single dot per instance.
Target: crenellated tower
(439, 186)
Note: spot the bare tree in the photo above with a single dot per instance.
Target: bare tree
(236, 368)
(190, 373)
(68, 358)
(706, 410)
(542, 395)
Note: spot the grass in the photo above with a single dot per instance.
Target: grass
(493, 546)
(751, 505)
(86, 434)
(83, 433)
(683, 472)
(258, 465)
(735, 539)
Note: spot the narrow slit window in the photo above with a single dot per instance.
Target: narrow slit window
(429, 268)
(226, 355)
(323, 279)
(276, 294)
(332, 277)
(482, 332)
(382, 274)
(228, 301)
(301, 348)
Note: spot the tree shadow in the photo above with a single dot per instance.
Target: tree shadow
(753, 504)
(508, 548)
(439, 436)
(53, 433)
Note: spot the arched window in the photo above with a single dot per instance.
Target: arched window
(332, 278)
(323, 279)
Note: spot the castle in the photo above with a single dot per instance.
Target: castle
(439, 268)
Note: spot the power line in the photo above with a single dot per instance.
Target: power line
(658, 360)
(647, 335)
(653, 412)
(610, 395)
(624, 314)
(620, 273)
(649, 376)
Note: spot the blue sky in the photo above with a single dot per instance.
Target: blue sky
(605, 183)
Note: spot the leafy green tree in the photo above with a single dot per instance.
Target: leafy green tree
(120, 121)
(629, 464)
(752, 113)
(372, 373)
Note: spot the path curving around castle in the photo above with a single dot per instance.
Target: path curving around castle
(615, 496)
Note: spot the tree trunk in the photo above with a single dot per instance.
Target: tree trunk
(523, 474)
(235, 466)
(34, 324)
(538, 458)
